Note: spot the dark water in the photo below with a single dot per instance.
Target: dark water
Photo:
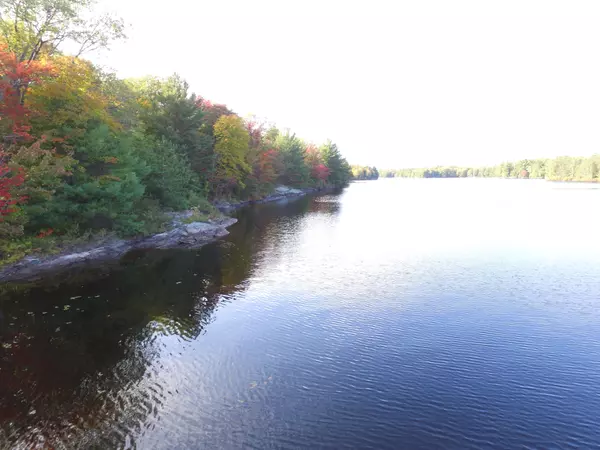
(416, 314)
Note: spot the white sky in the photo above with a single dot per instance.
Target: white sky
(393, 83)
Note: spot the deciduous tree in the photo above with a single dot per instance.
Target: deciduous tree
(34, 27)
(17, 77)
(231, 146)
(67, 104)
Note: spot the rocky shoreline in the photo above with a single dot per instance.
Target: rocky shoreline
(181, 235)
(280, 193)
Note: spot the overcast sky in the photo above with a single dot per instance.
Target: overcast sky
(393, 83)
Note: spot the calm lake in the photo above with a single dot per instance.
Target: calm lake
(417, 314)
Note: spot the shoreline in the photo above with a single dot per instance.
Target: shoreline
(594, 181)
(280, 193)
(181, 235)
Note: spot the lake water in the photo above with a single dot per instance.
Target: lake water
(417, 314)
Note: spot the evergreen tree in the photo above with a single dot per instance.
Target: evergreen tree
(293, 150)
(339, 169)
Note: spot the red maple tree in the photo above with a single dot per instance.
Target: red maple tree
(17, 77)
(268, 166)
(320, 172)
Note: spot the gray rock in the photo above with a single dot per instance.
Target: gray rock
(282, 189)
(280, 193)
(192, 235)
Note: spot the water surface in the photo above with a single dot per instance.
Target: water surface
(419, 314)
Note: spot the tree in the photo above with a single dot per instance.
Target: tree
(561, 168)
(319, 172)
(231, 146)
(45, 174)
(266, 169)
(66, 104)
(34, 27)
(340, 172)
(264, 159)
(296, 172)
(212, 113)
(18, 75)
(256, 132)
(270, 136)
(166, 110)
(105, 189)
(587, 170)
(10, 179)
(538, 169)
(123, 103)
(364, 173)
(170, 178)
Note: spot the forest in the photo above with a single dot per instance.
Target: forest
(364, 172)
(83, 152)
(562, 168)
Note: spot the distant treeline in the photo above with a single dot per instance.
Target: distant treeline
(364, 173)
(563, 168)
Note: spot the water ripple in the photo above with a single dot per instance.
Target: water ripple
(310, 330)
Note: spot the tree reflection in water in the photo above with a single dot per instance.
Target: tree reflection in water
(76, 357)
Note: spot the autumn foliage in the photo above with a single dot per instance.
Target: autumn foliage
(314, 159)
(84, 151)
(10, 179)
(18, 78)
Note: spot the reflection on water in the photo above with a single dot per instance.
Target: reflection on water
(399, 314)
(77, 359)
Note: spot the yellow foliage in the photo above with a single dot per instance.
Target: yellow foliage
(71, 99)
(231, 147)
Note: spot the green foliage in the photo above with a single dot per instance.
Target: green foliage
(563, 168)
(34, 27)
(170, 178)
(340, 172)
(166, 110)
(45, 173)
(364, 173)
(202, 214)
(70, 101)
(123, 101)
(13, 226)
(152, 216)
(100, 155)
(12, 250)
(231, 147)
(212, 113)
(105, 189)
(295, 171)
(204, 160)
